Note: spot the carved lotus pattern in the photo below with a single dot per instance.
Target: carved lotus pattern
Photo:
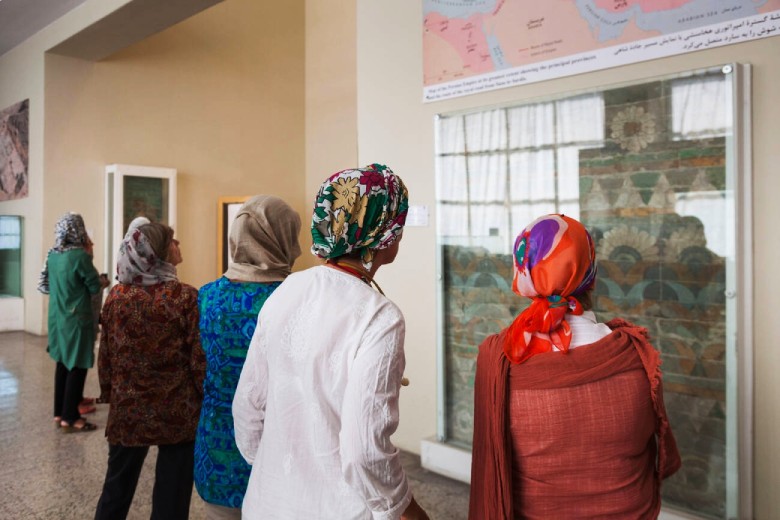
(628, 243)
(633, 128)
(682, 239)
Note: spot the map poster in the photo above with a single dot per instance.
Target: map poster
(472, 46)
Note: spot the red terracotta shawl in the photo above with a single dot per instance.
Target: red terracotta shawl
(576, 435)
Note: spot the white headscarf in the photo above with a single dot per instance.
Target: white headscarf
(138, 264)
(136, 223)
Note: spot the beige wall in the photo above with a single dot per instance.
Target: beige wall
(395, 128)
(22, 77)
(228, 99)
(219, 97)
(331, 99)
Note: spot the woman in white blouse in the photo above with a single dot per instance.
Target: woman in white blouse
(317, 400)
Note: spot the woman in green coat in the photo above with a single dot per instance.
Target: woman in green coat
(70, 280)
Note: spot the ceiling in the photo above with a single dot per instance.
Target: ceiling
(130, 23)
(20, 19)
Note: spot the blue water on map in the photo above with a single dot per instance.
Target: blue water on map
(458, 8)
(696, 13)
(496, 52)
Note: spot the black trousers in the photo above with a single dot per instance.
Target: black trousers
(172, 481)
(68, 390)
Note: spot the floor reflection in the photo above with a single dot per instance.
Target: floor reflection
(47, 475)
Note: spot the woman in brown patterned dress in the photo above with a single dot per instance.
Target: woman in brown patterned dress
(151, 369)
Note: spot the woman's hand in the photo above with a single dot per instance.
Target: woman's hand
(414, 512)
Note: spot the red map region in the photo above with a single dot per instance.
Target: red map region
(466, 37)
(647, 6)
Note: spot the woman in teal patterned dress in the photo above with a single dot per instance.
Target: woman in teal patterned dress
(263, 247)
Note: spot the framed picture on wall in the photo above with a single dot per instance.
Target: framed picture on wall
(227, 208)
(14, 150)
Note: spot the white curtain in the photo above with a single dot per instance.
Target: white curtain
(485, 131)
(580, 119)
(499, 169)
(531, 125)
(700, 108)
(532, 175)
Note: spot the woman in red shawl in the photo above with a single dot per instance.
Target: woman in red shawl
(569, 417)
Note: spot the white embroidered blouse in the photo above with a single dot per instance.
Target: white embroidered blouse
(317, 402)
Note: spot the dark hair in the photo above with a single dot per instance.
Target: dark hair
(159, 236)
(585, 299)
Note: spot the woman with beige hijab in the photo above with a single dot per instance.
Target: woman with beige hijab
(263, 245)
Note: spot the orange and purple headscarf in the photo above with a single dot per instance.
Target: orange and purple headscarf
(554, 261)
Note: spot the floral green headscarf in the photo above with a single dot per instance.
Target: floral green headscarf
(361, 210)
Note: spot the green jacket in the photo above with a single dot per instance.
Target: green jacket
(72, 281)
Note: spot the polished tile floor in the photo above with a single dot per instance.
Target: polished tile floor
(45, 474)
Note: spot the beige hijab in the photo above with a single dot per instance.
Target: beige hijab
(263, 240)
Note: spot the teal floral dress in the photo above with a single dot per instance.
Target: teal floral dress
(228, 317)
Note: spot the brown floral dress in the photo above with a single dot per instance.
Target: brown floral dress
(151, 365)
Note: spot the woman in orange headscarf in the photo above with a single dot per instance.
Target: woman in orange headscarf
(569, 417)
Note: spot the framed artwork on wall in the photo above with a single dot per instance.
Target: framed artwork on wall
(136, 191)
(14, 150)
(227, 208)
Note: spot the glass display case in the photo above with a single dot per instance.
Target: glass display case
(656, 170)
(136, 191)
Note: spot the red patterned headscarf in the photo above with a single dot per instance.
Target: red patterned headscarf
(554, 261)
